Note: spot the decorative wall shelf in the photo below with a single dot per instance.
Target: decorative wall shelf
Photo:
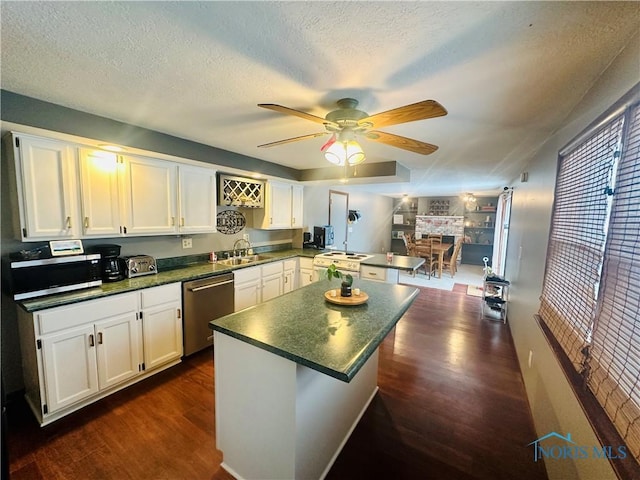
(240, 192)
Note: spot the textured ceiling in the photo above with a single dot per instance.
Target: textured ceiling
(509, 73)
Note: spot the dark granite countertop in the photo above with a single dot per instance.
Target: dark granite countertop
(177, 274)
(303, 327)
(194, 272)
(399, 262)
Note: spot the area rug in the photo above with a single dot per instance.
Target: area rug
(474, 291)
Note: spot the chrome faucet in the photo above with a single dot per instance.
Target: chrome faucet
(235, 246)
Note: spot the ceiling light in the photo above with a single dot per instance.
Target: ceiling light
(345, 153)
(469, 198)
(111, 148)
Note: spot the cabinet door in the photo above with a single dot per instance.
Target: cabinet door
(117, 349)
(99, 199)
(48, 188)
(149, 196)
(307, 276)
(162, 334)
(279, 205)
(197, 199)
(70, 368)
(272, 287)
(289, 281)
(246, 295)
(297, 199)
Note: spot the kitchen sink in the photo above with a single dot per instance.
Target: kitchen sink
(242, 260)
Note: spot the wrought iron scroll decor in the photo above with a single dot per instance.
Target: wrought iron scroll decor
(230, 222)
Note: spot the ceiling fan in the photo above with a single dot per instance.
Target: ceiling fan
(347, 122)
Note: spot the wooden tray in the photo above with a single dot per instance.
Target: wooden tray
(352, 300)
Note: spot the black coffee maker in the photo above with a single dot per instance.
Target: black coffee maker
(111, 265)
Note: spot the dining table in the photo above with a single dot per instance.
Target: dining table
(440, 249)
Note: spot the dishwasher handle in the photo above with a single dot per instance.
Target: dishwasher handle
(210, 285)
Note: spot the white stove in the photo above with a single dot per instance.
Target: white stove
(344, 261)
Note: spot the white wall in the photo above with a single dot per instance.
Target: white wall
(371, 234)
(553, 404)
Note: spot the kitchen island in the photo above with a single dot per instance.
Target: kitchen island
(294, 375)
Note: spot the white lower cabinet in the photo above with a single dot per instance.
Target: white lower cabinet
(307, 275)
(272, 280)
(70, 367)
(290, 278)
(259, 284)
(378, 274)
(161, 325)
(247, 287)
(76, 354)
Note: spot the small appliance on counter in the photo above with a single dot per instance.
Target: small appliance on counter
(307, 241)
(111, 265)
(323, 236)
(138, 265)
(59, 267)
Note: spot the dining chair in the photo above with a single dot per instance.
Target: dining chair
(410, 244)
(451, 263)
(435, 236)
(424, 249)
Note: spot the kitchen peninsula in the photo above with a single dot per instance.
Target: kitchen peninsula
(294, 375)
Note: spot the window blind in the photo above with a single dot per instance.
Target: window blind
(577, 238)
(614, 361)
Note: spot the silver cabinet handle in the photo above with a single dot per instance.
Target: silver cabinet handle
(182, 221)
(68, 222)
(86, 222)
(211, 285)
(99, 338)
(91, 341)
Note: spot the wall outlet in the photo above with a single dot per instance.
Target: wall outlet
(245, 236)
(187, 243)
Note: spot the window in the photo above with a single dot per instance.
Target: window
(590, 299)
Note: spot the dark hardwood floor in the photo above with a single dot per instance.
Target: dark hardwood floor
(451, 405)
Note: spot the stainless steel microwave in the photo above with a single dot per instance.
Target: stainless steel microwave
(23, 279)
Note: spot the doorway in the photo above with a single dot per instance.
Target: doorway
(338, 215)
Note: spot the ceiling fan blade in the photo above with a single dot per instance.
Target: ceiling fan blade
(408, 113)
(294, 139)
(297, 113)
(402, 142)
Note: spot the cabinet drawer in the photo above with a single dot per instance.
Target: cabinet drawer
(247, 274)
(290, 264)
(373, 273)
(274, 268)
(306, 262)
(59, 318)
(159, 295)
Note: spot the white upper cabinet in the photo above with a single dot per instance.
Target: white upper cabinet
(282, 207)
(149, 196)
(46, 187)
(197, 191)
(99, 197)
(297, 201)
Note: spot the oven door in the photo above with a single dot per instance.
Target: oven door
(319, 273)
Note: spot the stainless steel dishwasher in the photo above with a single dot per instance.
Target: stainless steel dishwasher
(204, 300)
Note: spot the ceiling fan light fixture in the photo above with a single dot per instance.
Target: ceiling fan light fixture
(343, 153)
